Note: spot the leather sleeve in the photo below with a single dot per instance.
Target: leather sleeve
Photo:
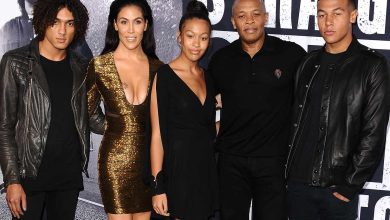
(8, 119)
(374, 119)
(96, 116)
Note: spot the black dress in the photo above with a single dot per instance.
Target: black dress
(187, 131)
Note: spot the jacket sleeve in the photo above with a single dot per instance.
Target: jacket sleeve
(96, 116)
(8, 119)
(375, 116)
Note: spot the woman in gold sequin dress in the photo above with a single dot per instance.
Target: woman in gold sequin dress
(121, 78)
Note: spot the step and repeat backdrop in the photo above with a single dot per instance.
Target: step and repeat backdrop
(292, 20)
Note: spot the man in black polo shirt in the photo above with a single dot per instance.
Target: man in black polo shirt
(254, 76)
(340, 115)
(44, 134)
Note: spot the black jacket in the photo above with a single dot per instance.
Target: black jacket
(353, 119)
(25, 112)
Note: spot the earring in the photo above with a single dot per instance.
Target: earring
(178, 41)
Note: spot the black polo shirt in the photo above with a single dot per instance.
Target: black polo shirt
(257, 95)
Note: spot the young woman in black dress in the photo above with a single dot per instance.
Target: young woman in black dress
(183, 126)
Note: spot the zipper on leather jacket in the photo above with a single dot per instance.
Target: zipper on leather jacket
(23, 173)
(298, 122)
(28, 107)
(78, 130)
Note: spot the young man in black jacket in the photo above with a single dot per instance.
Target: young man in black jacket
(44, 135)
(19, 31)
(340, 115)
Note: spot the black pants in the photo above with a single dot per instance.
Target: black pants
(243, 179)
(313, 203)
(59, 205)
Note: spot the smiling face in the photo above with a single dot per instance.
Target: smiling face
(335, 19)
(60, 34)
(130, 24)
(194, 38)
(249, 18)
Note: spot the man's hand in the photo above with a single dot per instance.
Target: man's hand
(16, 200)
(160, 204)
(339, 196)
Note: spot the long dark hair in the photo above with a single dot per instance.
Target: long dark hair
(112, 38)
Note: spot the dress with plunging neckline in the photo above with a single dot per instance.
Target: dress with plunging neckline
(187, 131)
(121, 82)
(189, 88)
(123, 162)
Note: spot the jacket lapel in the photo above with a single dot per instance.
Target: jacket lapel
(78, 75)
(37, 72)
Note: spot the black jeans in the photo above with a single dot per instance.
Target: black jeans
(313, 203)
(245, 178)
(59, 205)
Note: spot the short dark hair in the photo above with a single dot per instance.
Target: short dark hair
(352, 3)
(45, 14)
(195, 9)
(148, 42)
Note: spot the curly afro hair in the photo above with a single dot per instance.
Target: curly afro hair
(45, 14)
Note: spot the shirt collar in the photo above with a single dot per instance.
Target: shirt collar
(268, 45)
(353, 48)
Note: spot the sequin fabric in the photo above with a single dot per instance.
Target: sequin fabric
(122, 151)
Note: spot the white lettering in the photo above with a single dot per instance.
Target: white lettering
(219, 9)
(229, 36)
(363, 202)
(270, 6)
(378, 24)
(285, 14)
(308, 8)
(381, 206)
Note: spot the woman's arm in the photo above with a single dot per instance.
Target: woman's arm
(160, 203)
(218, 106)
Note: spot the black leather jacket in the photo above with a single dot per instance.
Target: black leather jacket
(25, 112)
(354, 115)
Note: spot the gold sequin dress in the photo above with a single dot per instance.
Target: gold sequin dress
(124, 147)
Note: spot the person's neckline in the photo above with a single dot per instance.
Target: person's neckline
(53, 61)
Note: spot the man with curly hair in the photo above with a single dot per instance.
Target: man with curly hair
(19, 31)
(44, 136)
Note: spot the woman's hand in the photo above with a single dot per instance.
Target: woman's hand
(160, 204)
